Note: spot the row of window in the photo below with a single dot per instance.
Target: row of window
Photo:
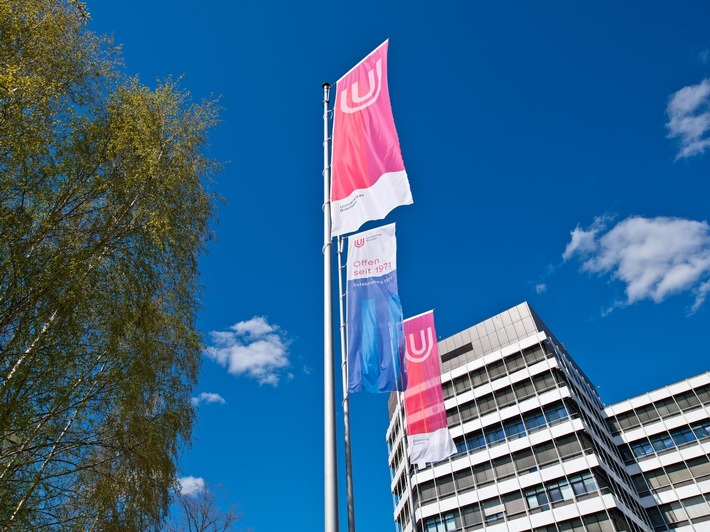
(473, 518)
(514, 428)
(520, 463)
(679, 513)
(674, 475)
(663, 409)
(609, 455)
(495, 370)
(566, 489)
(506, 396)
(665, 441)
(600, 522)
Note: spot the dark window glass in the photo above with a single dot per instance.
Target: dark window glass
(555, 414)
(545, 453)
(464, 479)
(560, 491)
(687, 400)
(537, 498)
(702, 429)
(568, 446)
(683, 435)
(494, 435)
(479, 377)
(495, 370)
(642, 448)
(628, 420)
(662, 442)
(613, 425)
(514, 429)
(505, 397)
(486, 404)
(582, 484)
(476, 441)
(647, 414)
(523, 389)
(448, 389)
(472, 515)
(703, 394)
(667, 407)
(515, 362)
(534, 421)
(524, 461)
(461, 446)
(462, 384)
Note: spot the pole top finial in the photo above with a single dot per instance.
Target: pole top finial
(326, 85)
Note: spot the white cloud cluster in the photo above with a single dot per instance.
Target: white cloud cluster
(689, 118)
(654, 257)
(191, 485)
(254, 348)
(208, 398)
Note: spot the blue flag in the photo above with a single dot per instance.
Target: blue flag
(374, 314)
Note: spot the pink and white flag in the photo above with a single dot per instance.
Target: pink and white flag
(428, 434)
(368, 178)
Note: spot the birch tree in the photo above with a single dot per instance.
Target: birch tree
(103, 215)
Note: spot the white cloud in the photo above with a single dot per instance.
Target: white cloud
(653, 257)
(540, 288)
(583, 241)
(191, 485)
(209, 398)
(253, 348)
(689, 118)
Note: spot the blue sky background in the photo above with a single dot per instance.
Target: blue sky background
(536, 138)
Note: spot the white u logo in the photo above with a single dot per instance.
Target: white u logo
(361, 101)
(420, 354)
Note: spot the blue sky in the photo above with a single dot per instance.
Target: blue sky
(557, 152)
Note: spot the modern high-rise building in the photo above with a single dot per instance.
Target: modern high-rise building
(538, 450)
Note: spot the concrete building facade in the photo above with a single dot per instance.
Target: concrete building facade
(538, 450)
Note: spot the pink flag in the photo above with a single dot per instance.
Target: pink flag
(368, 175)
(428, 434)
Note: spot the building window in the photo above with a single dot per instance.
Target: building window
(476, 441)
(472, 515)
(560, 491)
(583, 484)
(493, 510)
(702, 430)
(442, 523)
(494, 435)
(555, 414)
(537, 499)
(642, 448)
(514, 429)
(687, 401)
(662, 442)
(534, 421)
(683, 436)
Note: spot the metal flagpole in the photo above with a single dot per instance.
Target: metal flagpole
(346, 399)
(407, 463)
(329, 442)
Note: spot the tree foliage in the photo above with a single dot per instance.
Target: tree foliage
(103, 214)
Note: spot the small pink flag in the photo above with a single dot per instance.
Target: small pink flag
(368, 178)
(427, 431)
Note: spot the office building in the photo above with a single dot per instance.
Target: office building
(538, 450)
